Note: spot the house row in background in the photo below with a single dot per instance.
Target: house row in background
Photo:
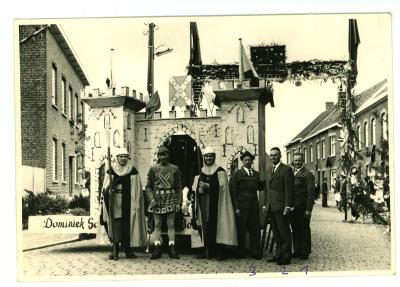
(321, 140)
(52, 113)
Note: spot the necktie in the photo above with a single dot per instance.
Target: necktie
(250, 173)
(273, 169)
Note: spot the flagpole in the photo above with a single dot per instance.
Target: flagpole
(240, 62)
(111, 68)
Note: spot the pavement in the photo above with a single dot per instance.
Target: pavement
(336, 246)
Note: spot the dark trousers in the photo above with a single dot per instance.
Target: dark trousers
(324, 199)
(301, 232)
(249, 221)
(281, 228)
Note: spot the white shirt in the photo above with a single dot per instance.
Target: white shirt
(275, 167)
(248, 170)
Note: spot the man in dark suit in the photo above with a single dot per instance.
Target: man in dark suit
(279, 203)
(304, 186)
(244, 185)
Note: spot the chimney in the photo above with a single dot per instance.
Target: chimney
(141, 96)
(328, 105)
(134, 94)
(96, 93)
(125, 91)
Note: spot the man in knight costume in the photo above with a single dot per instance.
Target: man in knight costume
(129, 218)
(214, 212)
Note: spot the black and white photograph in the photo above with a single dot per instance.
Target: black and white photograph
(194, 147)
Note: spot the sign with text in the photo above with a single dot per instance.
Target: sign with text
(64, 224)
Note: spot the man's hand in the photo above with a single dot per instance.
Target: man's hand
(307, 214)
(152, 203)
(178, 207)
(287, 210)
(264, 209)
(237, 212)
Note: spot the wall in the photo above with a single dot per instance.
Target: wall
(33, 83)
(59, 125)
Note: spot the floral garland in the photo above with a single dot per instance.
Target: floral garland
(357, 197)
(305, 70)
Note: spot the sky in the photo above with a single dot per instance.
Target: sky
(307, 37)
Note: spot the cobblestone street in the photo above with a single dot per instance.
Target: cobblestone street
(337, 246)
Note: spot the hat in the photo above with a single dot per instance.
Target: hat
(208, 150)
(162, 150)
(121, 151)
(246, 153)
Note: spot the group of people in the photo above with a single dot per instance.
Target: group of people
(224, 209)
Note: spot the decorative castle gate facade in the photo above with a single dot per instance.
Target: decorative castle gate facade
(238, 126)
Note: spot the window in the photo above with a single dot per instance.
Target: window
(71, 103)
(305, 155)
(63, 163)
(54, 84)
(116, 138)
(106, 121)
(288, 158)
(311, 154)
(365, 131)
(385, 129)
(250, 134)
(332, 145)
(358, 137)
(240, 115)
(128, 147)
(97, 139)
(82, 114)
(228, 135)
(76, 109)
(55, 163)
(77, 160)
(318, 150)
(63, 95)
(373, 131)
(323, 149)
(129, 124)
(333, 176)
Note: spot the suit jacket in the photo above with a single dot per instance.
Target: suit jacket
(304, 189)
(244, 188)
(279, 188)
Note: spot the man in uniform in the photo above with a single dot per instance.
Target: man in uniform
(303, 204)
(213, 208)
(244, 185)
(279, 203)
(129, 219)
(164, 196)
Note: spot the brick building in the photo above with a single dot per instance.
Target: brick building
(51, 81)
(320, 141)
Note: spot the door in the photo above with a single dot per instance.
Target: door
(70, 176)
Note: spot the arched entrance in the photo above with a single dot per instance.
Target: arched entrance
(185, 153)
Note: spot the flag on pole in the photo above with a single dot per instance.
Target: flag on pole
(153, 105)
(195, 53)
(246, 69)
(354, 41)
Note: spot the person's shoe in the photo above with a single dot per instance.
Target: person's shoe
(294, 255)
(156, 252)
(220, 255)
(172, 252)
(283, 262)
(111, 255)
(129, 253)
(273, 259)
(202, 255)
(256, 256)
(304, 256)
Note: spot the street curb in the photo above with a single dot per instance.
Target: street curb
(52, 244)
